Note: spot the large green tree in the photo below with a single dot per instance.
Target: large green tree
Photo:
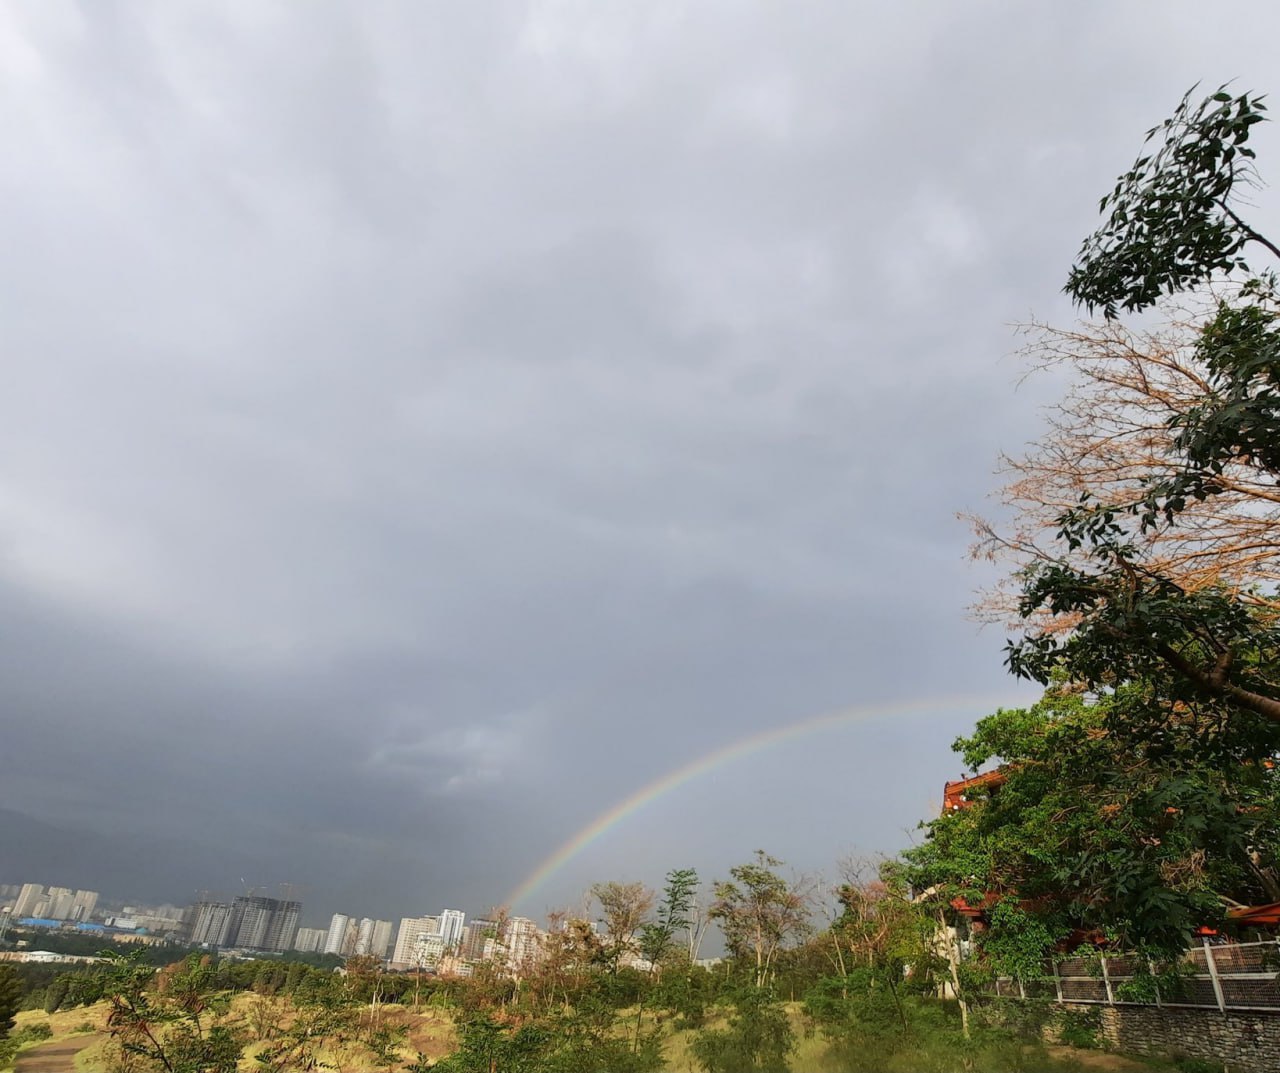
(759, 911)
(1095, 832)
(1172, 225)
(10, 997)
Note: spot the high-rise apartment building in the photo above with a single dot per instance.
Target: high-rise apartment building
(248, 923)
(263, 923)
(341, 939)
(408, 939)
(380, 944)
(372, 937)
(252, 918)
(475, 935)
(83, 904)
(521, 938)
(29, 898)
(429, 950)
(284, 926)
(58, 903)
(310, 940)
(451, 924)
(212, 924)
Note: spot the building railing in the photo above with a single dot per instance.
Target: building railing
(1235, 976)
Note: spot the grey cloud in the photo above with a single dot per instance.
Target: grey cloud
(424, 427)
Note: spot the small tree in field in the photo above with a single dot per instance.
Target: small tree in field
(625, 907)
(676, 914)
(759, 912)
(167, 1019)
(759, 1037)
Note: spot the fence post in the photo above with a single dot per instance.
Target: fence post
(1057, 980)
(1106, 980)
(1213, 975)
(1151, 968)
(1022, 988)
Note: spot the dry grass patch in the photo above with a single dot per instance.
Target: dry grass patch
(67, 1022)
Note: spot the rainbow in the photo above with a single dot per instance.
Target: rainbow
(726, 754)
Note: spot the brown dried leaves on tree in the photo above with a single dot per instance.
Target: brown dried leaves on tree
(1114, 429)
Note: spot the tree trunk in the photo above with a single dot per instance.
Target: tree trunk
(953, 962)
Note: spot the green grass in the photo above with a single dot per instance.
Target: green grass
(64, 1024)
(92, 1059)
(933, 1047)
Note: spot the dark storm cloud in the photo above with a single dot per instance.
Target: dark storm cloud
(423, 427)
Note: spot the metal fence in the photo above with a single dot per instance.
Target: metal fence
(1237, 976)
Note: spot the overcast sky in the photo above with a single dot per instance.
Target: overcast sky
(425, 425)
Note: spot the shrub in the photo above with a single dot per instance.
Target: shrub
(1079, 1028)
(33, 1033)
(759, 1036)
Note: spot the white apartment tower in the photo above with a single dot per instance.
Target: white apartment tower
(521, 937)
(373, 937)
(83, 904)
(336, 942)
(60, 900)
(364, 936)
(29, 898)
(310, 940)
(451, 925)
(381, 941)
(211, 925)
(412, 930)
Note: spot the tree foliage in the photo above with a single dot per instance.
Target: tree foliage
(625, 907)
(1097, 833)
(759, 911)
(759, 1036)
(10, 997)
(1117, 425)
(1172, 225)
(166, 1019)
(1171, 222)
(677, 913)
(323, 1014)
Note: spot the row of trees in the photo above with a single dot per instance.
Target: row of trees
(757, 909)
(589, 1000)
(10, 998)
(862, 963)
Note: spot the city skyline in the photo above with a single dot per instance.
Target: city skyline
(248, 921)
(252, 923)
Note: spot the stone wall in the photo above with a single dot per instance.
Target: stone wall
(1248, 1042)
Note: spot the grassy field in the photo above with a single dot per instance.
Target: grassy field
(812, 1054)
(807, 1056)
(65, 1024)
(431, 1032)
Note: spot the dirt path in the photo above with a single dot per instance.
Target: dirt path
(1094, 1061)
(56, 1057)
